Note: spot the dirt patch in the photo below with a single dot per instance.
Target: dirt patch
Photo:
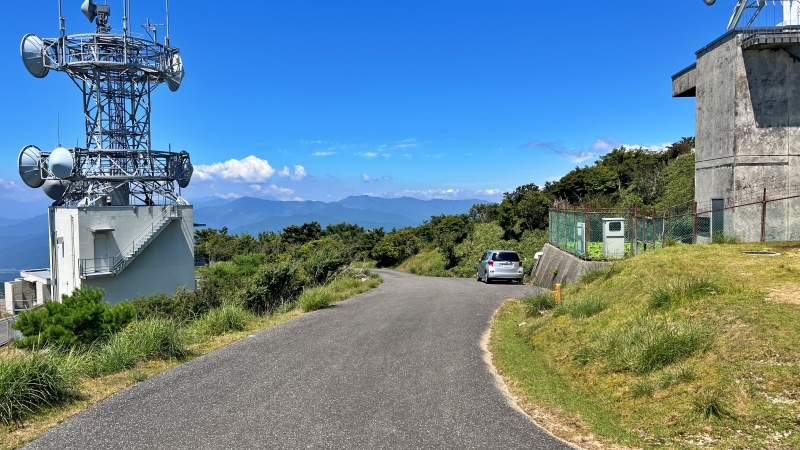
(784, 294)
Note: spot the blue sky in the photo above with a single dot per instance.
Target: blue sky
(320, 100)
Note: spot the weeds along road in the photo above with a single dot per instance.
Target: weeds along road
(397, 367)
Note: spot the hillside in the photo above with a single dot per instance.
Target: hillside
(252, 215)
(683, 347)
(24, 243)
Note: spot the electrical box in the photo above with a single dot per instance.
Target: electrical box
(614, 237)
(580, 230)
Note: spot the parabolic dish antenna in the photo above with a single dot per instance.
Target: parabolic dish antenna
(33, 55)
(29, 169)
(61, 162)
(185, 170)
(55, 188)
(176, 67)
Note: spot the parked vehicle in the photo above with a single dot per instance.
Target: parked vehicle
(500, 265)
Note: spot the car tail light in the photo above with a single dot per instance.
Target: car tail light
(520, 264)
(491, 263)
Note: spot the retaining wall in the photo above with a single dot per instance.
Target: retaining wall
(570, 268)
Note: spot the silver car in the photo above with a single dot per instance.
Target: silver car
(500, 265)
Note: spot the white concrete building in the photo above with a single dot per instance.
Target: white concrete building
(127, 251)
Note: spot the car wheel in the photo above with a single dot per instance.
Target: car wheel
(487, 280)
(478, 275)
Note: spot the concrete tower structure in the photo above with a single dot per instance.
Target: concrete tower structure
(747, 89)
(118, 222)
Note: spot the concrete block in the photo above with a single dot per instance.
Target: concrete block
(570, 268)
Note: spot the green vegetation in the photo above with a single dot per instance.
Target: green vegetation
(31, 382)
(82, 349)
(670, 348)
(79, 319)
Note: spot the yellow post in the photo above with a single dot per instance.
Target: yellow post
(558, 294)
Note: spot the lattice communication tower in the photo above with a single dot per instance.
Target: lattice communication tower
(116, 73)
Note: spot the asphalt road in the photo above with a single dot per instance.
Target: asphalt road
(397, 367)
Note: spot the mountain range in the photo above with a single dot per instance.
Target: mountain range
(24, 243)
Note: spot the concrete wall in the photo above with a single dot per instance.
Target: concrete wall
(748, 132)
(165, 265)
(570, 268)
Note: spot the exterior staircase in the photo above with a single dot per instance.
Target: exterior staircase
(118, 263)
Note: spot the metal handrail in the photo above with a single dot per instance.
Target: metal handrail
(117, 263)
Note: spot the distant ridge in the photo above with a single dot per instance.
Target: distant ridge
(252, 215)
(24, 243)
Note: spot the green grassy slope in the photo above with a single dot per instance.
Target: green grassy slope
(682, 347)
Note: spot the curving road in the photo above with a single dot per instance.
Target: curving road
(397, 367)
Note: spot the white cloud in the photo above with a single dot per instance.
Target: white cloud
(367, 154)
(299, 173)
(599, 147)
(247, 170)
(5, 184)
(429, 194)
(271, 190)
(229, 195)
(323, 153)
(366, 178)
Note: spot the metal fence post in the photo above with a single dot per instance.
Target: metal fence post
(636, 228)
(764, 217)
(654, 228)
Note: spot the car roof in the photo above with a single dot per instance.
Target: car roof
(510, 251)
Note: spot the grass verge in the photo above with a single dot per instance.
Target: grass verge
(685, 347)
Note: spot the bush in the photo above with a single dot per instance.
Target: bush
(160, 306)
(395, 247)
(323, 258)
(35, 380)
(274, 285)
(314, 299)
(538, 303)
(224, 320)
(79, 319)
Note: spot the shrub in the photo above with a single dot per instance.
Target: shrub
(395, 247)
(273, 285)
(159, 305)
(650, 344)
(323, 258)
(81, 318)
(314, 299)
(538, 303)
(35, 380)
(223, 320)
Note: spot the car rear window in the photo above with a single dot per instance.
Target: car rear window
(505, 256)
